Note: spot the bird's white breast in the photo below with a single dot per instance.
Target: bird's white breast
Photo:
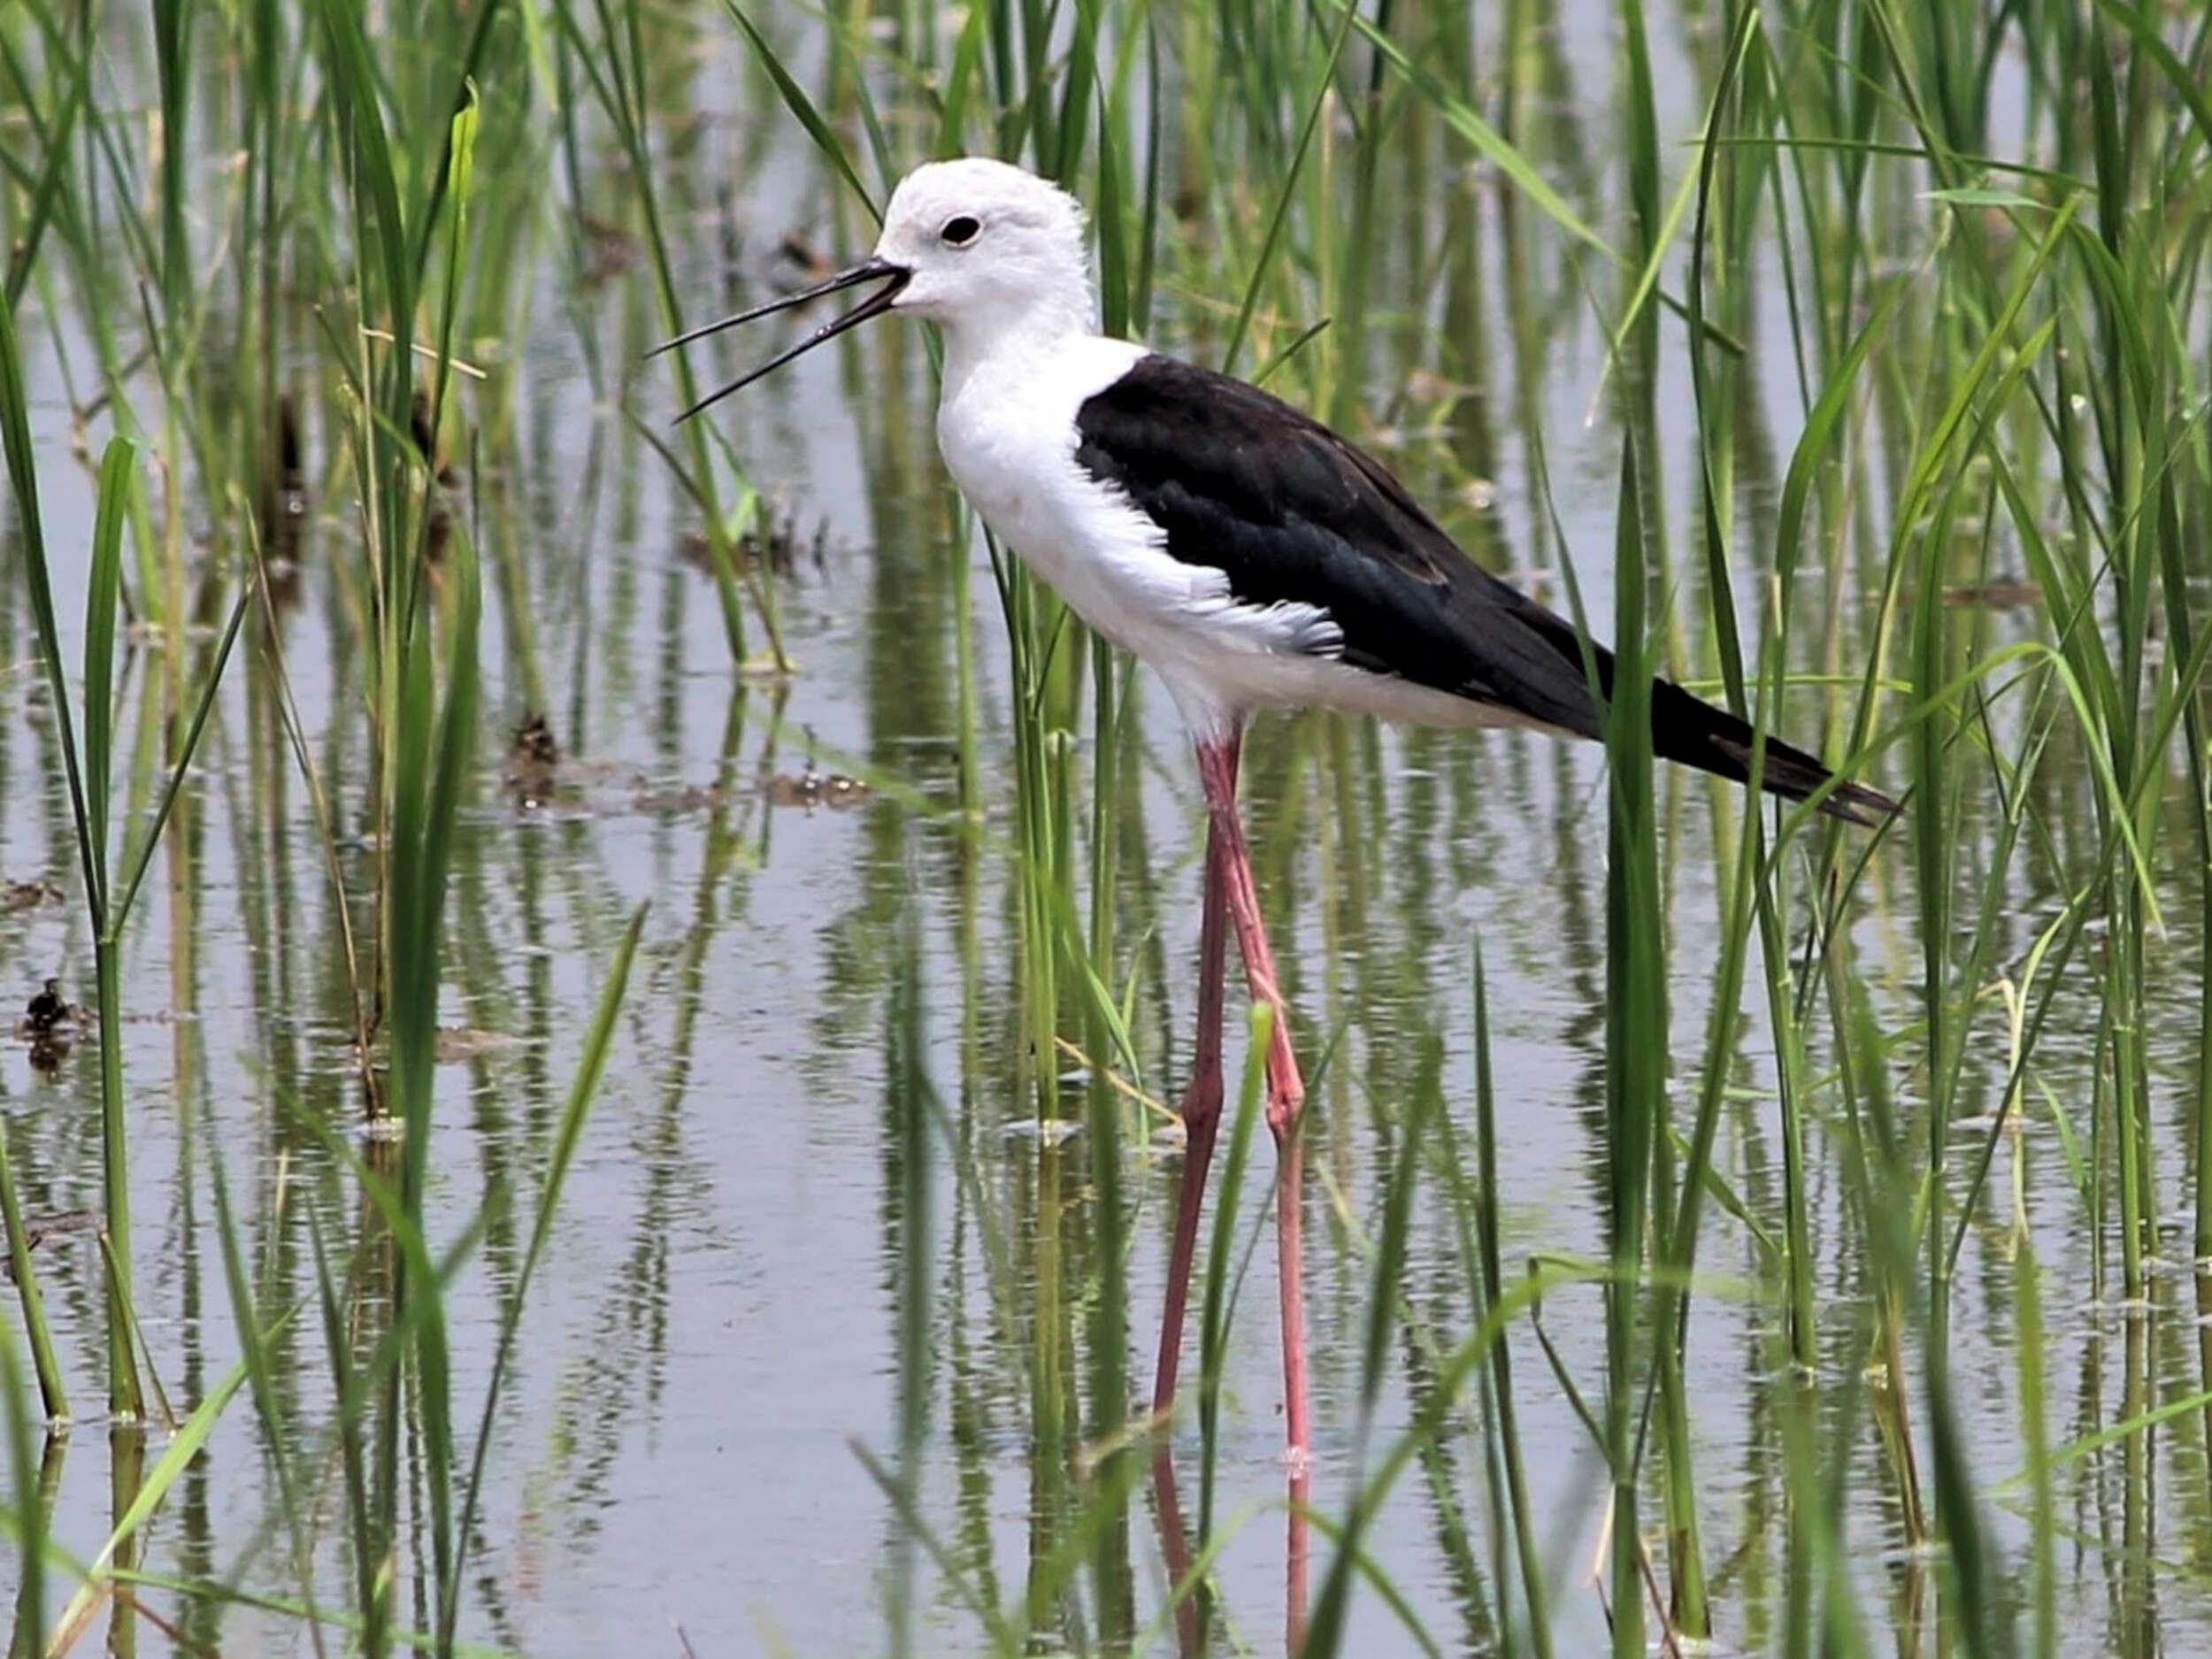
(1008, 433)
(1006, 428)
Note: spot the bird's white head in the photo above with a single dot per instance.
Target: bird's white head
(987, 249)
(990, 253)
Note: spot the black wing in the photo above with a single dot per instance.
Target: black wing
(1243, 483)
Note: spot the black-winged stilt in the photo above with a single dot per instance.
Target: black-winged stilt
(1254, 557)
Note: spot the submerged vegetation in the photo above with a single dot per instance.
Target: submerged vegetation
(1727, 1223)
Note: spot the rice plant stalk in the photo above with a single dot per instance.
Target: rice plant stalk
(1636, 1025)
(425, 750)
(260, 1362)
(1636, 1011)
(103, 589)
(1109, 1323)
(88, 773)
(911, 1106)
(31, 1511)
(52, 1388)
(1507, 1459)
(15, 434)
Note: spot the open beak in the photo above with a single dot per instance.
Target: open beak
(895, 278)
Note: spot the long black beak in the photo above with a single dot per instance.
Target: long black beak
(895, 278)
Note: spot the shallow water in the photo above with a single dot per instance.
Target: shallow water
(710, 1353)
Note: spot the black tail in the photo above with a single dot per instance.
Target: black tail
(1693, 732)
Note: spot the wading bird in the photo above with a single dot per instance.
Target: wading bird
(1251, 556)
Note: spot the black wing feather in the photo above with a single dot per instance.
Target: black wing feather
(1241, 482)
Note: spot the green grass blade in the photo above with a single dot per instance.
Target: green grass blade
(53, 1391)
(1323, 81)
(15, 438)
(187, 748)
(802, 109)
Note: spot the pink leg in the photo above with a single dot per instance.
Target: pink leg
(1201, 1120)
(1286, 1089)
(1190, 1624)
(1201, 1123)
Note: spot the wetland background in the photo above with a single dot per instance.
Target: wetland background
(767, 1261)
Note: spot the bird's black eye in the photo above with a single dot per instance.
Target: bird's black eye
(960, 231)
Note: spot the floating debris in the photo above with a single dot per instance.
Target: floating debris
(455, 1046)
(424, 431)
(534, 740)
(17, 896)
(283, 506)
(534, 760)
(61, 1224)
(775, 543)
(1998, 595)
(438, 533)
(51, 1016)
(51, 1025)
(677, 799)
(812, 789)
(609, 250)
(1048, 1132)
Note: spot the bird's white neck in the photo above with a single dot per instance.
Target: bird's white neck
(1013, 339)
